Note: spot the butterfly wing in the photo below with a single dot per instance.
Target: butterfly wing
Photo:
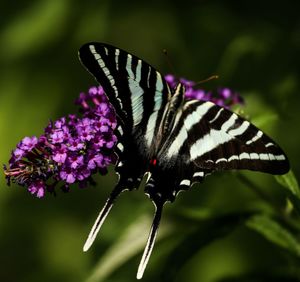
(138, 93)
(206, 137)
(134, 88)
(228, 141)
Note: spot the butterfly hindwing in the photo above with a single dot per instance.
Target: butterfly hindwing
(214, 138)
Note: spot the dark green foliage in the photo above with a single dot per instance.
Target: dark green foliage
(235, 226)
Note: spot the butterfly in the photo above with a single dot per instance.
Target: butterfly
(173, 141)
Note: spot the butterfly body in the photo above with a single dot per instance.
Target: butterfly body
(175, 141)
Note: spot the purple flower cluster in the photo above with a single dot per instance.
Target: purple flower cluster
(224, 97)
(71, 149)
(74, 148)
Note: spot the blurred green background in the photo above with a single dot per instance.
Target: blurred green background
(252, 45)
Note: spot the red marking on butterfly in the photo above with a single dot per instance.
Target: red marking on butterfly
(153, 162)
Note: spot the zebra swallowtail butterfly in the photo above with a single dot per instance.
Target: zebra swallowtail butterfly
(175, 142)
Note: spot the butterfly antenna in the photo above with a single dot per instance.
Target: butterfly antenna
(207, 79)
(170, 65)
(102, 216)
(151, 240)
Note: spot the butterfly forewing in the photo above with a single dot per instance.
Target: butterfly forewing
(136, 90)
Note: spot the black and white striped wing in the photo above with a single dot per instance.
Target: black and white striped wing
(207, 137)
(138, 94)
(136, 90)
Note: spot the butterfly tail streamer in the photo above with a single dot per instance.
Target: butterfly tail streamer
(151, 240)
(102, 216)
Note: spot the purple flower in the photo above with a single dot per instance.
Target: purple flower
(171, 80)
(68, 175)
(75, 161)
(18, 154)
(225, 93)
(57, 136)
(28, 143)
(71, 150)
(96, 161)
(60, 122)
(37, 188)
(59, 155)
(75, 144)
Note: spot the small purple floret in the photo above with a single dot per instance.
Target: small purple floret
(37, 189)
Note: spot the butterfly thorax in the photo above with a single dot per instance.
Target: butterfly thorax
(168, 120)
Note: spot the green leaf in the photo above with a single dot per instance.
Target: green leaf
(289, 181)
(291, 187)
(275, 233)
(204, 233)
